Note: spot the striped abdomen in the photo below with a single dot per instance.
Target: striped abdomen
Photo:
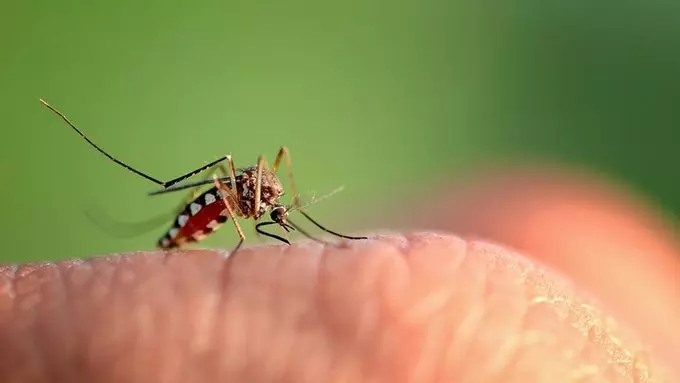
(201, 217)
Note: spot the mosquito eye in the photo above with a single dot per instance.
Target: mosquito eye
(275, 215)
(278, 214)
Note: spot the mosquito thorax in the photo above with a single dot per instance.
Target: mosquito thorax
(270, 191)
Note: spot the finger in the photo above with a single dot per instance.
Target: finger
(419, 308)
(610, 242)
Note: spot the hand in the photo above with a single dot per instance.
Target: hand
(415, 308)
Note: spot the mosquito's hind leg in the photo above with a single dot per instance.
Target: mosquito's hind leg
(163, 184)
(194, 191)
(284, 154)
(261, 164)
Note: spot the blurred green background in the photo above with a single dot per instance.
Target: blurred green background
(367, 94)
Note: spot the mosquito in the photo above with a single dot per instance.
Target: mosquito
(248, 193)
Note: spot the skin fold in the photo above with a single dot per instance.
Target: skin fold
(415, 307)
(608, 241)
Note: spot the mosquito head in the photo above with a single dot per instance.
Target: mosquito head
(279, 214)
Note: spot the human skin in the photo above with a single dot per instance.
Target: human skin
(608, 241)
(418, 307)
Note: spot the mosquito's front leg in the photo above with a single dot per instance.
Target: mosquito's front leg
(232, 172)
(261, 164)
(285, 154)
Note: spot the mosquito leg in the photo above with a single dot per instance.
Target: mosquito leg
(284, 154)
(192, 184)
(163, 184)
(232, 190)
(231, 173)
(192, 173)
(193, 193)
(227, 203)
(261, 163)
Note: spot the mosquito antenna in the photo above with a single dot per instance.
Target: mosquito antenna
(327, 230)
(270, 235)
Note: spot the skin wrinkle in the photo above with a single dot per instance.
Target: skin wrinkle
(275, 366)
(544, 291)
(597, 329)
(463, 327)
(60, 317)
(375, 349)
(64, 270)
(317, 342)
(52, 290)
(247, 297)
(124, 279)
(436, 301)
(470, 325)
(100, 291)
(394, 338)
(500, 358)
(321, 291)
(441, 372)
(7, 293)
(302, 337)
(592, 221)
(108, 339)
(233, 336)
(204, 329)
(193, 305)
(538, 335)
(369, 334)
(335, 323)
(27, 286)
(525, 336)
(324, 360)
(202, 302)
(347, 336)
(239, 286)
(164, 334)
(206, 359)
(224, 291)
(431, 302)
(78, 275)
(9, 272)
(139, 325)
